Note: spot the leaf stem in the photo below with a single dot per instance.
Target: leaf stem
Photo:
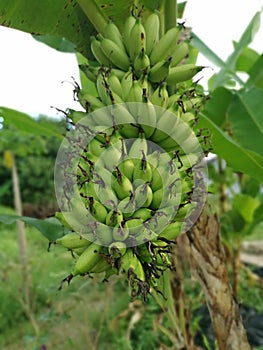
(91, 10)
(170, 14)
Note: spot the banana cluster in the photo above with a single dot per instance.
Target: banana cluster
(138, 65)
(129, 186)
(128, 173)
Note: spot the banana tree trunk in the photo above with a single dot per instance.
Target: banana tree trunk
(208, 266)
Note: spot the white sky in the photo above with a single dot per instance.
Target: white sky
(31, 73)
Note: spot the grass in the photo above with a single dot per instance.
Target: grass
(87, 314)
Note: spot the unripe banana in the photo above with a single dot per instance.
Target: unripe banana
(152, 27)
(88, 101)
(73, 240)
(131, 264)
(133, 226)
(167, 123)
(87, 260)
(126, 207)
(143, 213)
(115, 84)
(126, 84)
(97, 52)
(117, 249)
(96, 147)
(156, 182)
(112, 32)
(143, 196)
(138, 39)
(181, 51)
(169, 144)
(129, 131)
(114, 218)
(135, 95)
(89, 190)
(182, 73)
(138, 147)
(126, 167)
(102, 234)
(172, 231)
(101, 88)
(147, 118)
(157, 199)
(166, 46)
(141, 63)
(101, 266)
(128, 25)
(97, 210)
(120, 233)
(122, 186)
(159, 71)
(115, 54)
(143, 170)
(160, 97)
(118, 72)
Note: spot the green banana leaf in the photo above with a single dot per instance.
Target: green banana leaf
(25, 123)
(51, 228)
(72, 21)
(234, 119)
(237, 157)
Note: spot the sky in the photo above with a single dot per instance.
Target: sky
(34, 77)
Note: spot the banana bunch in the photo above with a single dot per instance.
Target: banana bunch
(129, 171)
(138, 64)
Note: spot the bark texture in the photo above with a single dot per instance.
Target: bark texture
(208, 267)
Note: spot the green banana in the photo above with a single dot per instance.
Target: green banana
(102, 234)
(114, 218)
(141, 63)
(137, 38)
(131, 264)
(138, 147)
(115, 84)
(127, 207)
(121, 185)
(102, 89)
(128, 25)
(143, 170)
(126, 84)
(152, 28)
(117, 249)
(120, 233)
(115, 54)
(97, 51)
(88, 101)
(147, 118)
(166, 46)
(87, 260)
(159, 71)
(182, 73)
(157, 199)
(73, 240)
(181, 51)
(97, 210)
(133, 226)
(143, 196)
(126, 167)
(160, 97)
(112, 32)
(101, 266)
(171, 231)
(143, 213)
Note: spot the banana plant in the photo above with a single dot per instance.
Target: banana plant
(136, 179)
